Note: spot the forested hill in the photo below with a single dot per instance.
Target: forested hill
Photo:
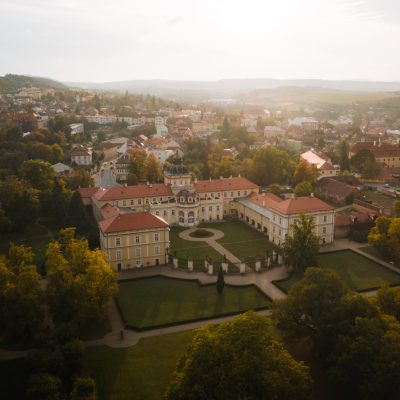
(13, 83)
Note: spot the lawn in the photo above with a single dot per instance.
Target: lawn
(378, 198)
(357, 272)
(158, 301)
(36, 236)
(141, 372)
(372, 251)
(240, 239)
(197, 250)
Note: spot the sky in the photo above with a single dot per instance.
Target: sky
(103, 40)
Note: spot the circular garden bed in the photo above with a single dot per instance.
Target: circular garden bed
(201, 233)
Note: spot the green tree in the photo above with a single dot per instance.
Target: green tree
(153, 169)
(132, 179)
(396, 208)
(302, 247)
(271, 165)
(238, 359)
(388, 300)
(274, 188)
(80, 282)
(343, 155)
(84, 389)
(364, 163)
(77, 216)
(303, 189)
(38, 173)
(19, 258)
(220, 281)
(305, 172)
(80, 179)
(43, 386)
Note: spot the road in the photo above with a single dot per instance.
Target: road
(106, 177)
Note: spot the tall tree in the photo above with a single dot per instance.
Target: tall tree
(305, 172)
(153, 169)
(303, 189)
(302, 247)
(364, 163)
(77, 216)
(343, 155)
(137, 163)
(38, 173)
(238, 359)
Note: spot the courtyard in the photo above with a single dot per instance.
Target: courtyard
(156, 301)
(357, 272)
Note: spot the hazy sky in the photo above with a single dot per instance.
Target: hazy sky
(104, 40)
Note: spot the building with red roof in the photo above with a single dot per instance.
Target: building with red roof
(134, 239)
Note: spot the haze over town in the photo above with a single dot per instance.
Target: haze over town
(98, 41)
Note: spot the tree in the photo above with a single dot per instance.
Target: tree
(153, 169)
(132, 179)
(38, 173)
(271, 165)
(238, 359)
(303, 189)
(80, 282)
(396, 208)
(84, 389)
(302, 247)
(305, 172)
(343, 155)
(77, 216)
(137, 163)
(80, 179)
(274, 188)
(305, 311)
(19, 258)
(388, 300)
(220, 281)
(385, 236)
(364, 163)
(55, 203)
(43, 386)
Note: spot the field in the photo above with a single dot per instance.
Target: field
(156, 301)
(357, 272)
(240, 239)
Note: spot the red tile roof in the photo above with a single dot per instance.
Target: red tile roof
(109, 211)
(379, 150)
(131, 222)
(298, 205)
(135, 191)
(80, 151)
(87, 192)
(219, 185)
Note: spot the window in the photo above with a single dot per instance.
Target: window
(217, 208)
(156, 237)
(210, 208)
(138, 252)
(324, 229)
(231, 194)
(137, 239)
(147, 201)
(123, 203)
(156, 250)
(239, 193)
(191, 217)
(118, 241)
(224, 194)
(139, 202)
(172, 212)
(165, 213)
(202, 209)
(325, 218)
(131, 202)
(157, 212)
(280, 221)
(118, 254)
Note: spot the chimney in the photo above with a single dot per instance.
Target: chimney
(311, 194)
(210, 179)
(221, 177)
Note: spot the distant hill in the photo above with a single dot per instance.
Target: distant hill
(240, 88)
(13, 83)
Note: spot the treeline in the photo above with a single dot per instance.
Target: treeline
(78, 288)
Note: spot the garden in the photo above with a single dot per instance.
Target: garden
(157, 301)
(358, 273)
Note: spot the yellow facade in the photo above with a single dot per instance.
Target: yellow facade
(134, 249)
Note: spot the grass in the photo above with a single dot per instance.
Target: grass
(372, 251)
(158, 300)
(36, 236)
(378, 198)
(142, 372)
(241, 239)
(185, 248)
(357, 272)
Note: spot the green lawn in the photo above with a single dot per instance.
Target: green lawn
(240, 239)
(372, 251)
(159, 300)
(357, 272)
(378, 198)
(141, 372)
(36, 236)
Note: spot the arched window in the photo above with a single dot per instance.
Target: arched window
(181, 217)
(191, 217)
